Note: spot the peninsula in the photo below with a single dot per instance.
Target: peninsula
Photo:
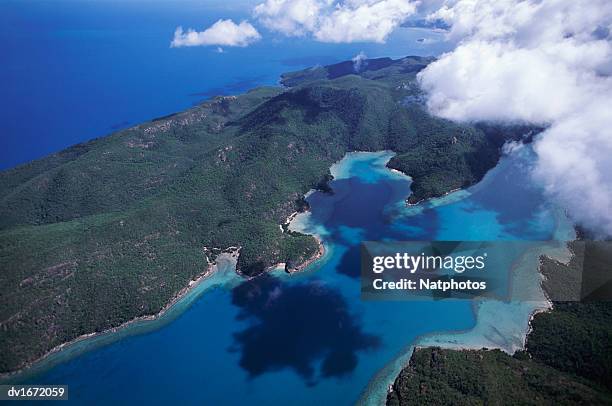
(115, 228)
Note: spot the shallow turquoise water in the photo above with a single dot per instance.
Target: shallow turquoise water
(308, 337)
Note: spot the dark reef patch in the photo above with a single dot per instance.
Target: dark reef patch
(350, 263)
(304, 326)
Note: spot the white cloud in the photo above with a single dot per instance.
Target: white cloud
(367, 21)
(335, 21)
(575, 164)
(360, 61)
(222, 33)
(290, 17)
(543, 62)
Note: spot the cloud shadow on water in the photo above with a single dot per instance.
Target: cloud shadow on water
(305, 326)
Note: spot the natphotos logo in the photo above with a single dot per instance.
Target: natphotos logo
(412, 263)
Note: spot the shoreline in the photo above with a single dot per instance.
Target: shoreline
(427, 199)
(338, 172)
(319, 254)
(286, 226)
(442, 198)
(211, 269)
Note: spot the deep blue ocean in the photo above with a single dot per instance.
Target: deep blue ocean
(72, 70)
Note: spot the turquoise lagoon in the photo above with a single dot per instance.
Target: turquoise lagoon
(308, 337)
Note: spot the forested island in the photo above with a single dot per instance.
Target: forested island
(567, 357)
(113, 229)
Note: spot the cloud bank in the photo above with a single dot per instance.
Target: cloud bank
(542, 62)
(221, 33)
(335, 21)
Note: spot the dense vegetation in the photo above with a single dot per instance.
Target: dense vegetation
(438, 376)
(567, 360)
(112, 229)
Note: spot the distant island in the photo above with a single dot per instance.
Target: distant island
(117, 228)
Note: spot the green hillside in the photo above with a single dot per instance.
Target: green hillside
(438, 376)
